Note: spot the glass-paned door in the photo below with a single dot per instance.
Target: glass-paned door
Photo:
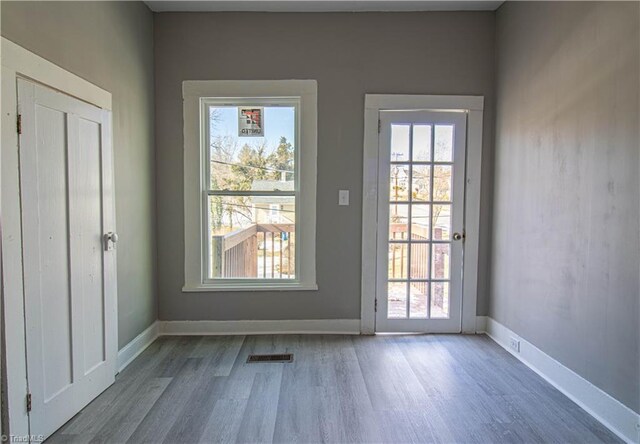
(420, 221)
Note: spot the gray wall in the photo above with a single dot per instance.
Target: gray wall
(565, 256)
(349, 55)
(111, 45)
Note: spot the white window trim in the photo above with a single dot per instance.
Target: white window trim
(374, 103)
(193, 91)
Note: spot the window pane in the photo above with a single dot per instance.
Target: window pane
(420, 221)
(419, 261)
(398, 261)
(399, 183)
(443, 137)
(441, 222)
(440, 299)
(442, 183)
(397, 300)
(441, 261)
(421, 182)
(252, 163)
(252, 237)
(418, 299)
(400, 143)
(421, 143)
(398, 221)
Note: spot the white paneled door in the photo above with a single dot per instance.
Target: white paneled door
(421, 194)
(66, 186)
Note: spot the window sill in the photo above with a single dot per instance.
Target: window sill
(207, 288)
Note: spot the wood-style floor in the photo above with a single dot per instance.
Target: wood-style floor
(432, 388)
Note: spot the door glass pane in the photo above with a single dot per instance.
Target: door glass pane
(400, 143)
(398, 221)
(440, 299)
(443, 139)
(441, 261)
(442, 222)
(264, 163)
(397, 300)
(422, 143)
(398, 261)
(399, 182)
(420, 221)
(442, 183)
(418, 299)
(421, 182)
(252, 237)
(419, 261)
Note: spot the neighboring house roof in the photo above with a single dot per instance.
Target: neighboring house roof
(266, 200)
(273, 185)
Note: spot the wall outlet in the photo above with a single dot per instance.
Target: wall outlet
(514, 344)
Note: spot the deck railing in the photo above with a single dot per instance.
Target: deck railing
(257, 251)
(419, 254)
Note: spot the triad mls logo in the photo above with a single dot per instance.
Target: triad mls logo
(251, 122)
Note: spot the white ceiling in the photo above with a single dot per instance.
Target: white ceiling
(320, 5)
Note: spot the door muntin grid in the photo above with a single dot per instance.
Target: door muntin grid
(420, 215)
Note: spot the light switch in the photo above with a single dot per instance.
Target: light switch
(343, 197)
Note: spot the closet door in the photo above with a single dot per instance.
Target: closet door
(69, 254)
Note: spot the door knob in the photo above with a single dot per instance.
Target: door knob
(458, 236)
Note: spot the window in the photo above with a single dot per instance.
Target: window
(250, 185)
(274, 214)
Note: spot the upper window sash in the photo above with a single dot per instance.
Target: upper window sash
(228, 102)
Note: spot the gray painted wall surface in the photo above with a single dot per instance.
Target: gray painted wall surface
(349, 55)
(565, 255)
(111, 45)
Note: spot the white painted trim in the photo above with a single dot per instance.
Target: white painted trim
(321, 6)
(129, 352)
(194, 91)
(310, 326)
(374, 103)
(247, 286)
(369, 220)
(2, 358)
(471, 258)
(614, 415)
(13, 309)
(36, 68)
(481, 324)
(404, 102)
(16, 62)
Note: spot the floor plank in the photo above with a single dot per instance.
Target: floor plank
(338, 389)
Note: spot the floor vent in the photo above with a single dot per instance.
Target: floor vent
(286, 357)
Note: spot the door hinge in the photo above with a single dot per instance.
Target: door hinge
(379, 126)
(28, 402)
(375, 306)
(19, 124)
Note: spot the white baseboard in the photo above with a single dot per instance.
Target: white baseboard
(481, 324)
(311, 326)
(614, 415)
(131, 351)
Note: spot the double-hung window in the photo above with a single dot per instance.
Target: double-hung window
(250, 184)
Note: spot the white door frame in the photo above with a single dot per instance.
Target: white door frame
(374, 103)
(18, 62)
